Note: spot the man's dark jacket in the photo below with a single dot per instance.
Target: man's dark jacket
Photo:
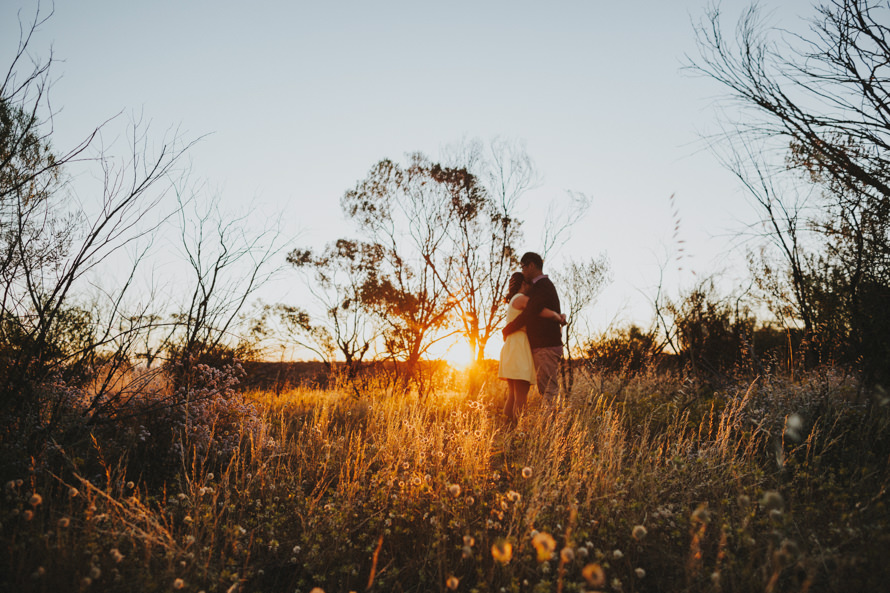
(542, 333)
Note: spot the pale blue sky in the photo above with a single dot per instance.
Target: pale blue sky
(302, 98)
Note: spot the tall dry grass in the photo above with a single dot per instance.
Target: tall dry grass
(655, 483)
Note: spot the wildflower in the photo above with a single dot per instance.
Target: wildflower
(116, 555)
(452, 582)
(514, 496)
(178, 584)
(772, 500)
(594, 575)
(617, 554)
(639, 532)
(454, 489)
(72, 492)
(567, 555)
(502, 551)
(35, 500)
(640, 573)
(544, 544)
(526, 472)
(64, 522)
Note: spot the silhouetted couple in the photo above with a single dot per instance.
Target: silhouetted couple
(532, 349)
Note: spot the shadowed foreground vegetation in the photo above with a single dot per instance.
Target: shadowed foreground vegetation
(645, 484)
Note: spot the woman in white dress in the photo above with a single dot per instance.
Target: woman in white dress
(517, 366)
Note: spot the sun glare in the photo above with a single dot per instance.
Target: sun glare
(456, 352)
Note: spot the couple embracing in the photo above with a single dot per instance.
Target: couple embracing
(532, 349)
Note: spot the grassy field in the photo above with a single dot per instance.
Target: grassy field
(651, 483)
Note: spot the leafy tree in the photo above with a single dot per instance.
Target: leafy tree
(338, 279)
(409, 214)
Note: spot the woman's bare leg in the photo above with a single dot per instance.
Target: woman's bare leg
(517, 396)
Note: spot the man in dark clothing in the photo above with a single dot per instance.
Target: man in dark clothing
(544, 335)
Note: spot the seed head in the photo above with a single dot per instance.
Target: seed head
(502, 551)
(178, 584)
(452, 583)
(640, 573)
(454, 489)
(544, 544)
(639, 532)
(526, 472)
(594, 575)
(64, 522)
(35, 500)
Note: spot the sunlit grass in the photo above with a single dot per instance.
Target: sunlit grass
(651, 483)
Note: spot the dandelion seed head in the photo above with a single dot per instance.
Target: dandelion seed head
(130, 485)
(514, 496)
(64, 522)
(567, 555)
(772, 500)
(28, 515)
(469, 540)
(35, 500)
(452, 583)
(639, 532)
(502, 551)
(95, 572)
(454, 489)
(617, 554)
(116, 555)
(594, 575)
(526, 472)
(210, 476)
(544, 544)
(640, 573)
(178, 584)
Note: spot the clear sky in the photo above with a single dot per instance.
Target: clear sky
(300, 99)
